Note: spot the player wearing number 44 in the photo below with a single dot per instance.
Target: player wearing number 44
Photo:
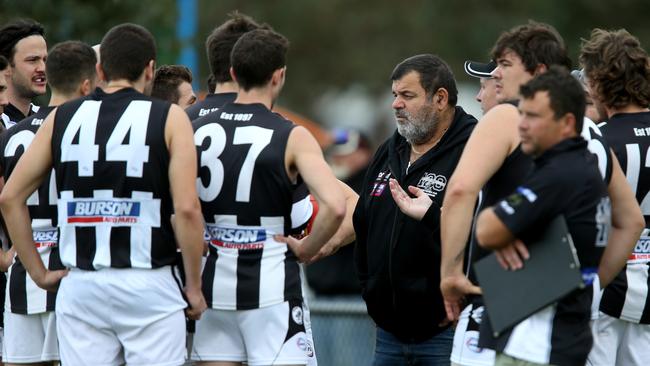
(120, 302)
(250, 162)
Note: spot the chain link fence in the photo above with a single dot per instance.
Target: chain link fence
(343, 332)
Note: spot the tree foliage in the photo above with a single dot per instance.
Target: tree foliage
(337, 43)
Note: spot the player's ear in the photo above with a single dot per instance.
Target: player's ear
(86, 87)
(278, 76)
(570, 124)
(100, 72)
(232, 75)
(149, 70)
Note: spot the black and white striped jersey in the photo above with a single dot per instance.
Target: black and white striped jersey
(14, 115)
(626, 297)
(246, 198)
(210, 104)
(23, 296)
(111, 164)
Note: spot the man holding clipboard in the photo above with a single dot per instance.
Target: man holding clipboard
(493, 161)
(565, 181)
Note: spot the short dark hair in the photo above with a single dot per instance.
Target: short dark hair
(68, 64)
(434, 74)
(564, 91)
(125, 51)
(220, 42)
(166, 81)
(4, 63)
(13, 32)
(256, 55)
(618, 67)
(535, 43)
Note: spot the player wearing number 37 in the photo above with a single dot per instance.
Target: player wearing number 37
(250, 161)
(123, 163)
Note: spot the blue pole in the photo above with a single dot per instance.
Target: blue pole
(186, 26)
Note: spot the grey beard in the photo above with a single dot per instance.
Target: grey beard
(416, 131)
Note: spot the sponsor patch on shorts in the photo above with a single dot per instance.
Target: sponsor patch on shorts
(297, 314)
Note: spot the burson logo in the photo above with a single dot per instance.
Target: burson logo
(245, 239)
(45, 239)
(103, 211)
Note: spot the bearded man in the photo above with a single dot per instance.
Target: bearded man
(398, 257)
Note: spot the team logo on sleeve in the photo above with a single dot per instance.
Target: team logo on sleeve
(240, 238)
(97, 211)
(505, 206)
(509, 204)
(432, 183)
(527, 193)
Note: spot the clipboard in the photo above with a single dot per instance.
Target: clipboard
(551, 272)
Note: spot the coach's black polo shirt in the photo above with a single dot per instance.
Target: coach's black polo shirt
(565, 181)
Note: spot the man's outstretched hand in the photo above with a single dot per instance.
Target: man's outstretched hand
(412, 207)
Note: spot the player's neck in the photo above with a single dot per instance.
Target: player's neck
(255, 95)
(630, 108)
(227, 87)
(119, 84)
(21, 103)
(57, 99)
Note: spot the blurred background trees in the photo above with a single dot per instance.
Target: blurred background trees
(340, 48)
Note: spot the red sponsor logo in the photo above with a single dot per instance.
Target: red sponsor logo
(239, 246)
(45, 244)
(114, 220)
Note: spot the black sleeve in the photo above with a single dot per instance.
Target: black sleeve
(431, 218)
(359, 220)
(360, 225)
(538, 200)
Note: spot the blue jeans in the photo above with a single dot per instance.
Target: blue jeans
(390, 351)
